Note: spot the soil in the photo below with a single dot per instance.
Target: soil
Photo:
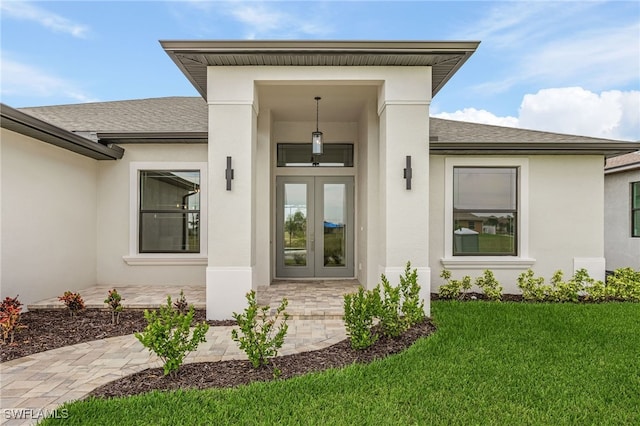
(49, 329)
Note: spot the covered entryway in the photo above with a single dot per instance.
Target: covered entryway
(314, 226)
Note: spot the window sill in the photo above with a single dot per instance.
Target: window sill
(487, 262)
(166, 260)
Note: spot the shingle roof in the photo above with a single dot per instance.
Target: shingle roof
(171, 114)
(462, 131)
(623, 162)
(180, 116)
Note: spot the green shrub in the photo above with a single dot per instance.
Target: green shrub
(412, 306)
(624, 284)
(453, 289)
(114, 301)
(566, 291)
(533, 289)
(489, 285)
(167, 335)
(360, 310)
(396, 309)
(391, 322)
(257, 338)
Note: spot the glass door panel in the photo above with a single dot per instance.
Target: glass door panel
(334, 224)
(314, 226)
(295, 224)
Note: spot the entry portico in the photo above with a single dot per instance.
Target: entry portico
(375, 96)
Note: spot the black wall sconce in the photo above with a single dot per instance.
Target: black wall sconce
(408, 172)
(228, 174)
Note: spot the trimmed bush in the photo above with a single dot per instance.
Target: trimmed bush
(259, 337)
(168, 335)
(360, 311)
(489, 285)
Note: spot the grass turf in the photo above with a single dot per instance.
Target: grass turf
(488, 363)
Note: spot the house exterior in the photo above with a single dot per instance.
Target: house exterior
(223, 190)
(622, 211)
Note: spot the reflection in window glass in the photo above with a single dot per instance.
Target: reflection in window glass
(635, 209)
(295, 224)
(335, 207)
(485, 211)
(169, 220)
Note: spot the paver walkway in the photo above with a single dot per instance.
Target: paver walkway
(43, 381)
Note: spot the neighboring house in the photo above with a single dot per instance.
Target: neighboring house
(224, 191)
(622, 211)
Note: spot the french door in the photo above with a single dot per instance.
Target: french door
(314, 226)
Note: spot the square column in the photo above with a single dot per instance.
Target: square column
(404, 213)
(232, 212)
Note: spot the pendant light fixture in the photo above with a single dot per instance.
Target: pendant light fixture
(316, 137)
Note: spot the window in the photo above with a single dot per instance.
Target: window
(169, 220)
(167, 213)
(299, 155)
(485, 211)
(635, 209)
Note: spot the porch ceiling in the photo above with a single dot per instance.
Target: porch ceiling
(193, 57)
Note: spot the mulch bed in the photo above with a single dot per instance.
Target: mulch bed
(224, 374)
(43, 330)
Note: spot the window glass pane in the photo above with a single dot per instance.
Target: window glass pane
(635, 224)
(299, 155)
(169, 190)
(484, 233)
(169, 211)
(169, 232)
(484, 188)
(295, 224)
(635, 195)
(335, 206)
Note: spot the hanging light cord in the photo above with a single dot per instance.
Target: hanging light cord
(317, 111)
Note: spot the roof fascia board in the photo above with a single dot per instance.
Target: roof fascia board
(620, 169)
(153, 137)
(251, 46)
(608, 149)
(28, 125)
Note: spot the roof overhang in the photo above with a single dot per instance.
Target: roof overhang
(28, 125)
(152, 137)
(608, 149)
(194, 56)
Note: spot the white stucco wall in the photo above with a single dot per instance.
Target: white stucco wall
(113, 219)
(620, 249)
(48, 219)
(566, 205)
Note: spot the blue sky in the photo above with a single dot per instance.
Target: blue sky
(569, 66)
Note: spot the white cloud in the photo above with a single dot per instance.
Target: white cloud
(29, 12)
(553, 44)
(266, 19)
(24, 80)
(611, 114)
(478, 116)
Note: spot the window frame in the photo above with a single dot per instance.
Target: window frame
(479, 210)
(135, 256)
(142, 211)
(521, 260)
(634, 210)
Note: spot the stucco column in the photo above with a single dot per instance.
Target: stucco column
(404, 213)
(231, 239)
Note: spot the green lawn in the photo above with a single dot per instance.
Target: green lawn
(488, 363)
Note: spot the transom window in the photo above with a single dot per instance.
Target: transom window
(299, 155)
(485, 211)
(635, 209)
(169, 211)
